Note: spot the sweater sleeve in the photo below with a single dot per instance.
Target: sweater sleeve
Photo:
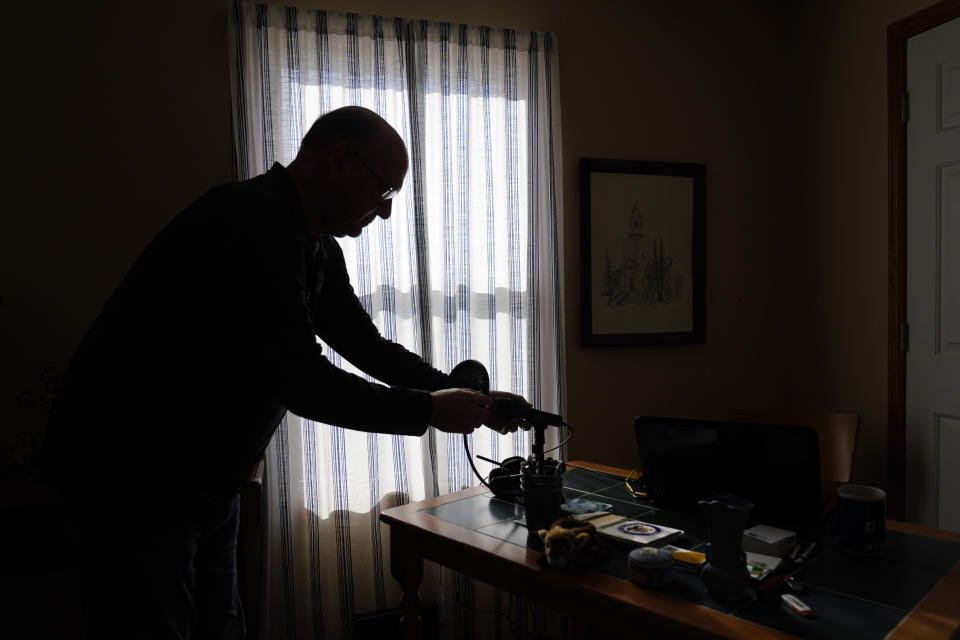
(341, 321)
(281, 333)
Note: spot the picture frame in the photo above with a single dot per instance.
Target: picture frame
(642, 252)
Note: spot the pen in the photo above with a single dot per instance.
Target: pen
(793, 554)
(806, 552)
(591, 515)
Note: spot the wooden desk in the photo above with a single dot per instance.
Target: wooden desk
(614, 606)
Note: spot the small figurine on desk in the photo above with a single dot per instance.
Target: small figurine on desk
(569, 544)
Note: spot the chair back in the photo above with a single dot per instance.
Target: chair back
(837, 433)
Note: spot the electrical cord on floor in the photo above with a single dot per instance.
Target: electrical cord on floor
(507, 616)
(514, 626)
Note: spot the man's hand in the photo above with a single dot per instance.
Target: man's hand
(459, 410)
(506, 425)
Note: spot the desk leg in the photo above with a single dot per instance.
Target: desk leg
(575, 629)
(406, 565)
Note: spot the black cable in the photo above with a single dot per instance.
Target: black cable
(570, 429)
(466, 447)
(476, 472)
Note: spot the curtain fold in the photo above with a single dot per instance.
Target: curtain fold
(467, 266)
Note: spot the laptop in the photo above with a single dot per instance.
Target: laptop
(776, 467)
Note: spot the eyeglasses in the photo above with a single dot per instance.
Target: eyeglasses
(388, 191)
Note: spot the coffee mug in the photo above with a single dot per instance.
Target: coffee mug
(861, 519)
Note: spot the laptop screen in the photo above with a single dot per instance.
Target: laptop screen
(776, 467)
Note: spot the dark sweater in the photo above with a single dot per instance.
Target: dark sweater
(210, 338)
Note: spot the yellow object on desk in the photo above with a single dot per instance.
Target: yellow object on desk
(692, 559)
(633, 476)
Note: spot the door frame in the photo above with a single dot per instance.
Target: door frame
(897, 35)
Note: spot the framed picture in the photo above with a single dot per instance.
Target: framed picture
(642, 252)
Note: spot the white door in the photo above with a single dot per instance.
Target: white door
(933, 277)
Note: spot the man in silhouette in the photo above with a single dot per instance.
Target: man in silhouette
(210, 338)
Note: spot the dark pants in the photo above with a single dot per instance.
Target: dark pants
(155, 573)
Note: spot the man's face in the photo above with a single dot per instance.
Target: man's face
(371, 184)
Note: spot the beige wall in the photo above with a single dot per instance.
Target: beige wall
(116, 116)
(835, 227)
(121, 118)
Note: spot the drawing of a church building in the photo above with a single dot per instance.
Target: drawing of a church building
(644, 274)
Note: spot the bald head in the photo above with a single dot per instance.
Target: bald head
(348, 155)
(358, 126)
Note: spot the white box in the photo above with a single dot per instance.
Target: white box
(769, 540)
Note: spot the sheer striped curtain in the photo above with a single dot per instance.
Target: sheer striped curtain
(467, 266)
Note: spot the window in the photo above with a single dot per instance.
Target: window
(467, 266)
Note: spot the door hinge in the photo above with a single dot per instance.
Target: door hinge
(904, 337)
(904, 107)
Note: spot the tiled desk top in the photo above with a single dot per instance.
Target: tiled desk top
(852, 597)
